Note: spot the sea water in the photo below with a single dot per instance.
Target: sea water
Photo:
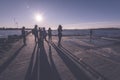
(107, 33)
(5, 33)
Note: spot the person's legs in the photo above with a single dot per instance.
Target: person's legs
(36, 38)
(24, 40)
(59, 40)
(45, 38)
(50, 38)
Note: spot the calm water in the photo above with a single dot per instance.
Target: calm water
(5, 33)
(108, 33)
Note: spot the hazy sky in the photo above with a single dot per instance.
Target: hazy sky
(69, 13)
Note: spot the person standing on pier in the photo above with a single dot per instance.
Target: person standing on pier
(59, 34)
(91, 34)
(49, 34)
(44, 34)
(24, 35)
(40, 39)
(35, 32)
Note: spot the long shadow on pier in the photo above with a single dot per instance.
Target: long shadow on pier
(96, 46)
(29, 71)
(45, 69)
(6, 64)
(53, 67)
(39, 67)
(77, 72)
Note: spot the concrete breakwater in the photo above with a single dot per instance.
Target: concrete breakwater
(9, 36)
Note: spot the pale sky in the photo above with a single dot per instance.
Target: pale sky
(71, 14)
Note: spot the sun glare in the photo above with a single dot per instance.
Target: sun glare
(38, 17)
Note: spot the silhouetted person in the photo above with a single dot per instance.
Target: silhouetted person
(91, 34)
(49, 34)
(40, 39)
(44, 34)
(59, 34)
(35, 33)
(23, 35)
(40, 30)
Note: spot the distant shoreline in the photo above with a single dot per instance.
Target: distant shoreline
(14, 28)
(63, 28)
(101, 32)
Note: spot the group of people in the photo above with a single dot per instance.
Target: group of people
(40, 34)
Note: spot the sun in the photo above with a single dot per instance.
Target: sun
(38, 17)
